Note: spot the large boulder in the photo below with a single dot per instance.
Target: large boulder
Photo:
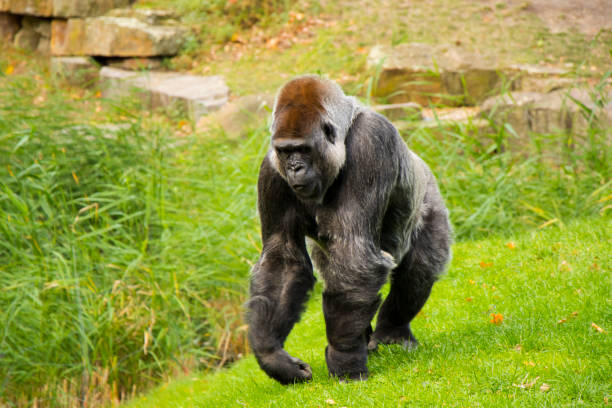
(426, 74)
(196, 95)
(114, 37)
(61, 8)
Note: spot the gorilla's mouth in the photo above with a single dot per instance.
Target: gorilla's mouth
(306, 190)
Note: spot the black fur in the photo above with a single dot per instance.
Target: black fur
(370, 206)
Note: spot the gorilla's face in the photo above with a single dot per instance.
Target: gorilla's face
(307, 163)
(311, 119)
(296, 162)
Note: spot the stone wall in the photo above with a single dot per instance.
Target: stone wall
(61, 8)
(89, 27)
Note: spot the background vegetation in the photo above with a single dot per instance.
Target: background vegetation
(126, 237)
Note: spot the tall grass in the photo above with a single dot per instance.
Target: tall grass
(124, 251)
(119, 252)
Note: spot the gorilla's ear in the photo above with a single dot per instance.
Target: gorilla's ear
(330, 132)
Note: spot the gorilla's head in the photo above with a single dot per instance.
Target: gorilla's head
(311, 119)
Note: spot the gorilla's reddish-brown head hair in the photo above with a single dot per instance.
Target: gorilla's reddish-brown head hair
(299, 107)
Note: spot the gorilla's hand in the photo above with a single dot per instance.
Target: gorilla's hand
(284, 368)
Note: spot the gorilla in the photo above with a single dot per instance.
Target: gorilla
(340, 175)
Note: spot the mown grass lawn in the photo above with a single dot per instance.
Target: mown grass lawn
(551, 291)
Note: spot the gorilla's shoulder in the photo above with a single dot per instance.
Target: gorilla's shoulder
(373, 126)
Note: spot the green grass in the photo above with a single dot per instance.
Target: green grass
(120, 252)
(464, 359)
(125, 251)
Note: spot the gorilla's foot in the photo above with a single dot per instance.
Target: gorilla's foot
(347, 364)
(284, 368)
(393, 335)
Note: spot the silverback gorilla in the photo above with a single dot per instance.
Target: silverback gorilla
(340, 174)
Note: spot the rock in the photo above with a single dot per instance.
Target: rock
(75, 70)
(134, 64)
(407, 73)
(463, 119)
(537, 78)
(61, 8)
(240, 115)
(28, 7)
(425, 74)
(9, 26)
(397, 111)
(555, 112)
(147, 16)
(114, 37)
(39, 42)
(85, 8)
(195, 94)
(27, 39)
(41, 25)
(44, 46)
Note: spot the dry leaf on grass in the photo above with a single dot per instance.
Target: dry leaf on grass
(525, 384)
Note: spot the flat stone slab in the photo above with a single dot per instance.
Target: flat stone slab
(61, 8)
(114, 37)
(562, 111)
(398, 111)
(240, 115)
(538, 78)
(198, 95)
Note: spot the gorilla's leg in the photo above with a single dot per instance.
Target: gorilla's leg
(279, 290)
(412, 280)
(347, 322)
(350, 301)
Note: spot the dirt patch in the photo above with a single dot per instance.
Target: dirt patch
(586, 16)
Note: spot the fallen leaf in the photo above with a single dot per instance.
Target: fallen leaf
(484, 264)
(330, 401)
(496, 318)
(544, 387)
(562, 321)
(529, 363)
(75, 177)
(468, 299)
(9, 70)
(526, 384)
(596, 327)
(472, 282)
(511, 245)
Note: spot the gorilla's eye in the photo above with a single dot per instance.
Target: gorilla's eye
(330, 133)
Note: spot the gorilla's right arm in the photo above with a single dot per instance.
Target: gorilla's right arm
(281, 279)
